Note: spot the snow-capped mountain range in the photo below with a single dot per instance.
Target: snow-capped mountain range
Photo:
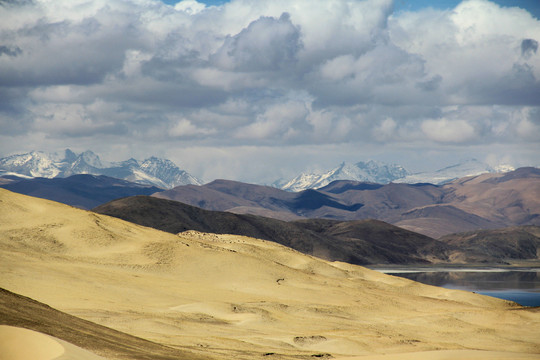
(162, 173)
(381, 173)
(165, 174)
(369, 171)
(470, 167)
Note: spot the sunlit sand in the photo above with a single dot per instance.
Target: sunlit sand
(234, 297)
(22, 344)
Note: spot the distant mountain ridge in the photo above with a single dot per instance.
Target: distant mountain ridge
(369, 171)
(358, 242)
(84, 191)
(165, 174)
(380, 173)
(470, 167)
(153, 171)
(486, 201)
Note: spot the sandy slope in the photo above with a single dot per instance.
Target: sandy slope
(22, 344)
(240, 298)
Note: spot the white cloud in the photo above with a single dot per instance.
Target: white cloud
(528, 124)
(475, 49)
(444, 130)
(267, 44)
(386, 130)
(338, 68)
(184, 128)
(279, 73)
(190, 7)
(280, 121)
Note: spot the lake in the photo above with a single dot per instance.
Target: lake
(521, 285)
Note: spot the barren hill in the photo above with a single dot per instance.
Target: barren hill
(234, 297)
(514, 243)
(357, 242)
(480, 202)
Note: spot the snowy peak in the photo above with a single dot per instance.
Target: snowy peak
(381, 173)
(369, 171)
(34, 164)
(69, 156)
(470, 167)
(85, 163)
(158, 167)
(129, 163)
(152, 171)
(90, 159)
(168, 172)
(378, 172)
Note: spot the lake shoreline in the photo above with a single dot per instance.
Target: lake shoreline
(517, 283)
(443, 267)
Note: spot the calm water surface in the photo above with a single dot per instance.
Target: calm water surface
(519, 285)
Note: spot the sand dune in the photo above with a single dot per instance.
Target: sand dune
(450, 355)
(22, 344)
(235, 297)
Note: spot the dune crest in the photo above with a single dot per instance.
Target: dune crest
(22, 344)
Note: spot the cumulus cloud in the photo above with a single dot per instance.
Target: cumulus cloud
(386, 130)
(279, 121)
(184, 128)
(527, 123)
(279, 73)
(267, 44)
(474, 49)
(190, 7)
(444, 130)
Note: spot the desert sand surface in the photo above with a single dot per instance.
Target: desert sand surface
(449, 355)
(23, 344)
(233, 297)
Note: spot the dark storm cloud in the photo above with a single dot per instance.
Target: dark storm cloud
(10, 50)
(528, 47)
(430, 85)
(7, 3)
(174, 94)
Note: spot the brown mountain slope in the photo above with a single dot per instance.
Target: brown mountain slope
(473, 203)
(505, 245)
(223, 195)
(235, 297)
(434, 220)
(484, 202)
(356, 242)
(510, 199)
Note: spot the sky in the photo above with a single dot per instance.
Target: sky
(256, 90)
